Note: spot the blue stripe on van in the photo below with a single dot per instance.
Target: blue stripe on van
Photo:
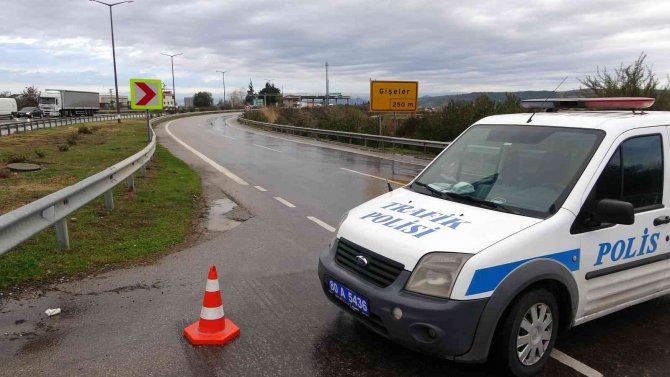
(487, 279)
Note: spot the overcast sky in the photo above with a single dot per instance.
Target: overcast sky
(448, 46)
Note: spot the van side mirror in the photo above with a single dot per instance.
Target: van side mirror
(615, 212)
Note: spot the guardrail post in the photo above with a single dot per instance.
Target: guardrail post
(62, 236)
(109, 199)
(131, 182)
(143, 170)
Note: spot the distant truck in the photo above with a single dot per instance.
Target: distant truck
(59, 102)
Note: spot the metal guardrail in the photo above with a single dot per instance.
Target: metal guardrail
(22, 223)
(350, 135)
(38, 124)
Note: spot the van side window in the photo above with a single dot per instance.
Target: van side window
(634, 173)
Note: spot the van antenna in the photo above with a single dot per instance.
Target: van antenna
(545, 100)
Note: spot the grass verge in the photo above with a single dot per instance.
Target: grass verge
(145, 223)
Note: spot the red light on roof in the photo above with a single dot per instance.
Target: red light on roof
(619, 103)
(626, 103)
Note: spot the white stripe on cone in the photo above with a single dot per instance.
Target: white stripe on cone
(211, 313)
(212, 285)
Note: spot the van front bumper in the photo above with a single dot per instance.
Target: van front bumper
(441, 327)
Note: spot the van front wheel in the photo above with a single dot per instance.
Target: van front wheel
(529, 333)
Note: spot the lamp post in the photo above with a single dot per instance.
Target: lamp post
(223, 76)
(174, 94)
(116, 82)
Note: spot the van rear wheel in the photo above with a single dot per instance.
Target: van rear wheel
(529, 332)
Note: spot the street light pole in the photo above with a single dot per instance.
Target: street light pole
(116, 82)
(223, 75)
(174, 93)
(327, 90)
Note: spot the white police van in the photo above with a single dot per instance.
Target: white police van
(526, 225)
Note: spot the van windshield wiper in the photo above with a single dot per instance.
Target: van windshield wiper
(432, 190)
(466, 198)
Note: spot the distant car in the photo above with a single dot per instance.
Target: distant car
(30, 112)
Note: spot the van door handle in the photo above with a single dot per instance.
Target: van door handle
(661, 220)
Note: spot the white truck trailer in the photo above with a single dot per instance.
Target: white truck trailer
(59, 102)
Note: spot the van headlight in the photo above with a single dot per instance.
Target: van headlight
(436, 273)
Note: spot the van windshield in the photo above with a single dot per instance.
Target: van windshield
(527, 170)
(47, 100)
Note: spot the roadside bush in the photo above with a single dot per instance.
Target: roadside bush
(85, 130)
(14, 158)
(443, 125)
(72, 139)
(255, 115)
(40, 153)
(64, 147)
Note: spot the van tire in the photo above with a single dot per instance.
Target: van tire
(536, 300)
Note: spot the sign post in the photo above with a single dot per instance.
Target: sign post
(146, 94)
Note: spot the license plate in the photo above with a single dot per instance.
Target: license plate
(354, 300)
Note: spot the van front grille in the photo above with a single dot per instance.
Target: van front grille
(379, 270)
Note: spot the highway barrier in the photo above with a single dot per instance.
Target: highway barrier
(52, 210)
(365, 138)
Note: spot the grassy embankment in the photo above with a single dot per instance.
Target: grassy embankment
(145, 223)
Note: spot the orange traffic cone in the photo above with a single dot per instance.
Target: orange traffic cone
(213, 327)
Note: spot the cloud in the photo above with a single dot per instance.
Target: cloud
(448, 45)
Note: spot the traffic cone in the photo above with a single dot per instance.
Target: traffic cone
(212, 327)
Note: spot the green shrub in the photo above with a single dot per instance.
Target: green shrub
(85, 130)
(14, 158)
(64, 147)
(72, 139)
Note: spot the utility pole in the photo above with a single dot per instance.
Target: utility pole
(116, 82)
(174, 94)
(223, 74)
(327, 91)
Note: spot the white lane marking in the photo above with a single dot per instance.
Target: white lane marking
(216, 166)
(228, 137)
(260, 188)
(284, 202)
(575, 364)
(322, 224)
(261, 146)
(373, 176)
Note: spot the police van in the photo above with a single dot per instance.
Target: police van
(524, 226)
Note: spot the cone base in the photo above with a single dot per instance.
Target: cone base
(198, 338)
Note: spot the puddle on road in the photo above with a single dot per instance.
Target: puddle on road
(221, 217)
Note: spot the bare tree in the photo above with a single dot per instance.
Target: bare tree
(236, 98)
(635, 80)
(30, 96)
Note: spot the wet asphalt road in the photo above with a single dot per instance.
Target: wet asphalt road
(130, 321)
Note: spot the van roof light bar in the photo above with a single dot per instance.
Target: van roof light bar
(620, 103)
